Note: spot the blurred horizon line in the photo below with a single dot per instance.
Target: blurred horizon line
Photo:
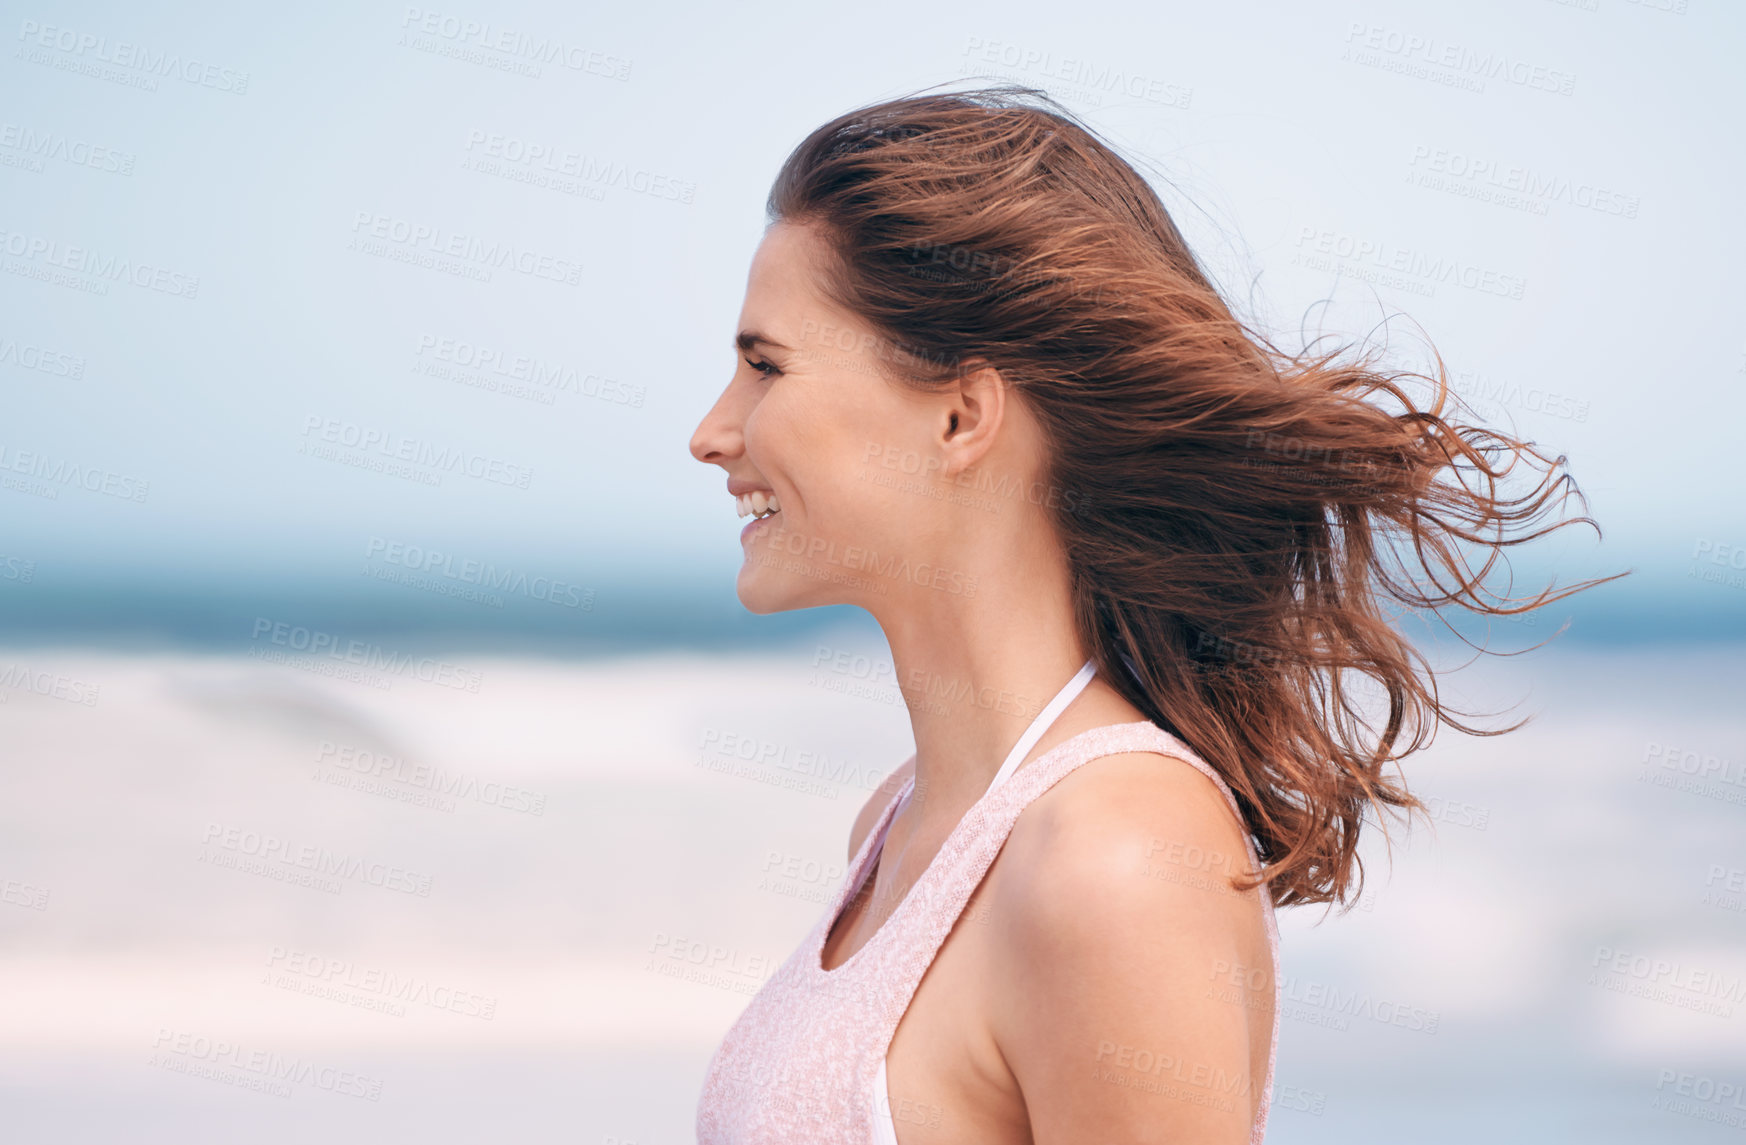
(621, 618)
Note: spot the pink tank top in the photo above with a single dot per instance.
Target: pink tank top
(805, 1062)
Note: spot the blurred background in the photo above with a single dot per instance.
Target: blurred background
(371, 675)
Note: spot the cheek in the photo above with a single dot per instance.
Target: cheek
(828, 445)
(783, 445)
(793, 437)
(765, 424)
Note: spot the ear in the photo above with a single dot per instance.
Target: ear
(974, 411)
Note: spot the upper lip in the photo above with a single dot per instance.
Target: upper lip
(738, 487)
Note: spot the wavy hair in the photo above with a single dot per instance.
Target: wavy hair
(1238, 516)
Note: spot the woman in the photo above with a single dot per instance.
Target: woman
(1131, 561)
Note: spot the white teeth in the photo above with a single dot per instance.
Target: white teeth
(757, 504)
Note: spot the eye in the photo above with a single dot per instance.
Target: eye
(767, 369)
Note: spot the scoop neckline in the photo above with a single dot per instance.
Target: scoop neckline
(816, 961)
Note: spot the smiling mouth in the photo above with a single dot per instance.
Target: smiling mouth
(758, 505)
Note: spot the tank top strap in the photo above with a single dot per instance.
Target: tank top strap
(945, 888)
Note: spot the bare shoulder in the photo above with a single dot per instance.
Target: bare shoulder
(880, 798)
(1122, 935)
(1136, 834)
(1132, 805)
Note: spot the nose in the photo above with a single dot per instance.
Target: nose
(720, 436)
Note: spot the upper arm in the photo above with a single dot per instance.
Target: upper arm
(880, 798)
(1128, 992)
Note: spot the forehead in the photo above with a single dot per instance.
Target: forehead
(782, 288)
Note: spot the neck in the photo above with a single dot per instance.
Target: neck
(975, 672)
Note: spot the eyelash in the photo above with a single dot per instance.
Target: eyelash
(766, 369)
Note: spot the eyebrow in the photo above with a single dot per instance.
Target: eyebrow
(746, 339)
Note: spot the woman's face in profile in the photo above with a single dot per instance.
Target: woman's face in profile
(809, 419)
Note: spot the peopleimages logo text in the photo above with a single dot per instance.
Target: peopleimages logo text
(438, 241)
(430, 455)
(59, 471)
(470, 571)
(312, 643)
(137, 57)
(98, 265)
(181, 1052)
(514, 43)
(268, 848)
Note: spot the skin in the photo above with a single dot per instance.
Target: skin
(1104, 983)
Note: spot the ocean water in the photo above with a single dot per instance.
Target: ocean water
(469, 897)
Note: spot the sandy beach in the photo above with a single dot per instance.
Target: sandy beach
(266, 900)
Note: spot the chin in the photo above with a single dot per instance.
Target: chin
(759, 596)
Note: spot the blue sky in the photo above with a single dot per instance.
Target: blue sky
(278, 195)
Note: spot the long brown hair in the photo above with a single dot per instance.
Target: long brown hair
(1236, 516)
